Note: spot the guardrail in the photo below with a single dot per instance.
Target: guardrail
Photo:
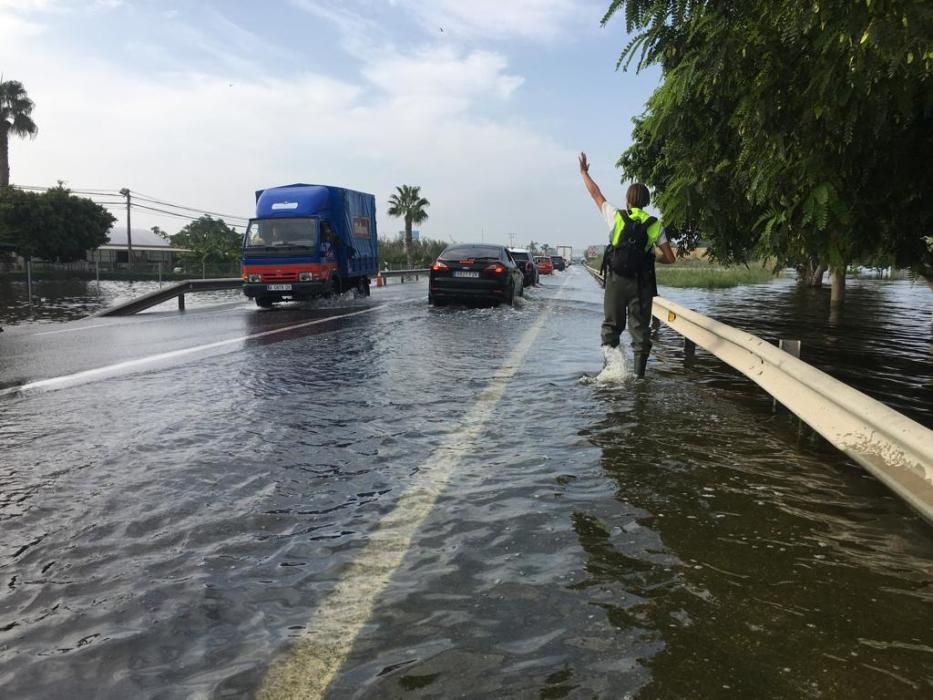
(402, 274)
(175, 290)
(895, 449)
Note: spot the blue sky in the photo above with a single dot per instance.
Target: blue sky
(484, 104)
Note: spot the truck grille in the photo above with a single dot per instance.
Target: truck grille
(279, 276)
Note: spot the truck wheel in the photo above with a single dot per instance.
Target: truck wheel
(264, 303)
(362, 288)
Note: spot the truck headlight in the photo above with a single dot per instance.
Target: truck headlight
(255, 278)
(305, 276)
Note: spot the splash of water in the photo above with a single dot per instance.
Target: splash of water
(615, 368)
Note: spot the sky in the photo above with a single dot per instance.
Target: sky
(483, 103)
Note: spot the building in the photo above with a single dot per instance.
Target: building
(149, 251)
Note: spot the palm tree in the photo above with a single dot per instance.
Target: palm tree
(408, 203)
(15, 108)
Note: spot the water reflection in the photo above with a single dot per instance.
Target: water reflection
(764, 566)
(70, 300)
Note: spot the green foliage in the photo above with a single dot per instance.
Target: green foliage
(796, 131)
(708, 277)
(53, 225)
(208, 240)
(408, 203)
(15, 118)
(423, 253)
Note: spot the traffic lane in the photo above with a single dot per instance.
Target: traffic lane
(200, 522)
(101, 342)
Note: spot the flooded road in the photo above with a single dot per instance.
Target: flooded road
(429, 503)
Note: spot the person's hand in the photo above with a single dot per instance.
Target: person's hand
(584, 165)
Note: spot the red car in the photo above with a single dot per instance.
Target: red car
(545, 266)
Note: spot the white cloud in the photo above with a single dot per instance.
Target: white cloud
(442, 72)
(526, 19)
(203, 139)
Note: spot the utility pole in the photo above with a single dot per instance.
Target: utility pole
(129, 235)
(511, 240)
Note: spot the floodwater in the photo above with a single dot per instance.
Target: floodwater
(54, 301)
(180, 532)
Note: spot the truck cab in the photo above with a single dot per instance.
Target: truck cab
(308, 241)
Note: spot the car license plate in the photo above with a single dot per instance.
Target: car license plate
(279, 287)
(465, 273)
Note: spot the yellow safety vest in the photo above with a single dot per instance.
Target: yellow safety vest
(636, 214)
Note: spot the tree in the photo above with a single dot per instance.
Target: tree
(53, 225)
(15, 111)
(423, 253)
(806, 143)
(407, 202)
(206, 240)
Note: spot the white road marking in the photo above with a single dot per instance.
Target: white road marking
(310, 666)
(129, 365)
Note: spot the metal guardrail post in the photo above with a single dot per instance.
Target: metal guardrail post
(181, 302)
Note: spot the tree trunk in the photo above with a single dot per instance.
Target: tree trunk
(839, 286)
(408, 241)
(4, 157)
(812, 274)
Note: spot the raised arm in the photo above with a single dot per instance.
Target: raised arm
(591, 186)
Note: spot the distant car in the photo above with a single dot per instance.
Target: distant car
(544, 265)
(523, 259)
(474, 271)
(559, 263)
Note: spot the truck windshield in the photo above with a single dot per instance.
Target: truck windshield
(264, 233)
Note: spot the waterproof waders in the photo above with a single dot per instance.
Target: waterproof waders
(628, 302)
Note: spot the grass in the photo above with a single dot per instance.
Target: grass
(708, 277)
(693, 272)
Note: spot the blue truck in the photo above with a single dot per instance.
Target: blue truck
(309, 241)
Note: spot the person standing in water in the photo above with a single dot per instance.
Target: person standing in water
(636, 240)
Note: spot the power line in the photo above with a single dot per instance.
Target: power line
(34, 188)
(101, 192)
(179, 215)
(155, 200)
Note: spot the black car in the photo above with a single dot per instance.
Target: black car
(474, 271)
(529, 270)
(559, 262)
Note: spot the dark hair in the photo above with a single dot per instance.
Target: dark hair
(637, 196)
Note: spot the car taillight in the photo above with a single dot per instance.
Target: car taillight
(496, 268)
(438, 265)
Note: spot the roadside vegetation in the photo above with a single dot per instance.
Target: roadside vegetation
(408, 204)
(420, 255)
(697, 272)
(816, 170)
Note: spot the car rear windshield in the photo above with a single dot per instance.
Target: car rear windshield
(465, 252)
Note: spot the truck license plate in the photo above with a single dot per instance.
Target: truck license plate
(465, 273)
(279, 287)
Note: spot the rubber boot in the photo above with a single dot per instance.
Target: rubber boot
(641, 362)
